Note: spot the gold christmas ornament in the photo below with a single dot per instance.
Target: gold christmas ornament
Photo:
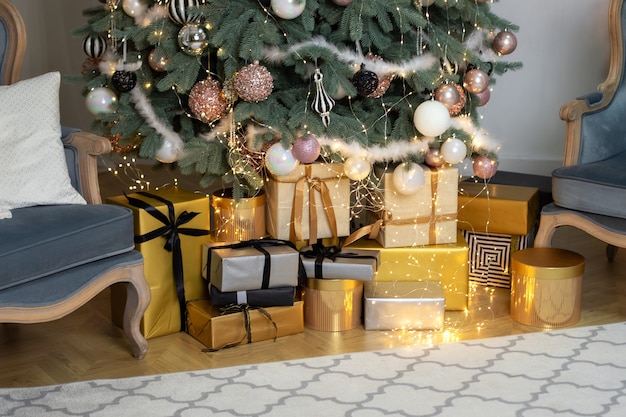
(254, 83)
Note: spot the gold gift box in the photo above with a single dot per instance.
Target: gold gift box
(447, 263)
(163, 314)
(216, 330)
(288, 195)
(333, 305)
(496, 208)
(426, 217)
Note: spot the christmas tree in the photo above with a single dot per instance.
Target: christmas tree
(232, 89)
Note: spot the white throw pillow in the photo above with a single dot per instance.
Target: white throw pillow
(32, 161)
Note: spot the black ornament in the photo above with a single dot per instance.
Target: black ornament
(365, 81)
(124, 81)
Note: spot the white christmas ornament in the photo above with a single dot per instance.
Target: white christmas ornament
(288, 9)
(453, 151)
(169, 152)
(280, 161)
(408, 178)
(134, 8)
(431, 118)
(101, 100)
(356, 168)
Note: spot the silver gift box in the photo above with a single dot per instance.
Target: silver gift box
(242, 269)
(418, 305)
(361, 269)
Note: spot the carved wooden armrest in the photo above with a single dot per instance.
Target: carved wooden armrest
(88, 147)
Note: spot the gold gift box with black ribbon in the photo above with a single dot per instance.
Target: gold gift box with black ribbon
(498, 208)
(163, 315)
(310, 203)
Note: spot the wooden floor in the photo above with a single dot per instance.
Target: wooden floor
(85, 345)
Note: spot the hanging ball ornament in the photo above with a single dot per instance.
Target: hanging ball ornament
(91, 66)
(453, 151)
(408, 178)
(206, 100)
(484, 167)
(169, 152)
(94, 46)
(254, 83)
(431, 118)
(193, 39)
(101, 100)
(134, 8)
(476, 81)
(288, 9)
(504, 43)
(158, 60)
(280, 161)
(483, 98)
(365, 81)
(356, 168)
(178, 11)
(452, 96)
(434, 158)
(306, 149)
(342, 2)
(384, 82)
(124, 81)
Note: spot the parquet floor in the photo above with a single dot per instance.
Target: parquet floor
(85, 345)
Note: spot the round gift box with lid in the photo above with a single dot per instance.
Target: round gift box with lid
(333, 305)
(237, 220)
(546, 287)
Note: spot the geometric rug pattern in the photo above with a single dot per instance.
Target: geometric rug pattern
(566, 372)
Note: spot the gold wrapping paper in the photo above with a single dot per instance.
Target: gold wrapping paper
(333, 305)
(496, 208)
(163, 314)
(288, 203)
(427, 217)
(447, 263)
(418, 305)
(236, 220)
(207, 325)
(546, 287)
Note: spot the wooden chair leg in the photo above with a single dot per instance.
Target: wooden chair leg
(137, 300)
(547, 226)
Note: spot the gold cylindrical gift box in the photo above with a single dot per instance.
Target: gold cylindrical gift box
(237, 220)
(333, 305)
(546, 287)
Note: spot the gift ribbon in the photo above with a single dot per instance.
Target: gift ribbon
(171, 231)
(321, 252)
(315, 185)
(245, 310)
(386, 218)
(258, 244)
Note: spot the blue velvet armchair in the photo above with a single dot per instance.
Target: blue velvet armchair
(55, 258)
(589, 191)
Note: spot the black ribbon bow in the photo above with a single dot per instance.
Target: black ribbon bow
(245, 310)
(170, 231)
(321, 252)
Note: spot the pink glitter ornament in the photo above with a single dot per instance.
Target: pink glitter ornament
(206, 100)
(254, 83)
(484, 167)
(306, 149)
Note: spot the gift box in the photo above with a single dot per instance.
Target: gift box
(336, 263)
(446, 263)
(426, 217)
(310, 203)
(253, 265)
(416, 305)
(270, 297)
(497, 208)
(159, 217)
(490, 256)
(333, 305)
(216, 330)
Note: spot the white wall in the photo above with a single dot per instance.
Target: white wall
(563, 45)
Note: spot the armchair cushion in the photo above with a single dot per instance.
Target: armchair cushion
(597, 187)
(43, 240)
(33, 169)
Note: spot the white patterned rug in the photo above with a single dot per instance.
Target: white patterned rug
(570, 372)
